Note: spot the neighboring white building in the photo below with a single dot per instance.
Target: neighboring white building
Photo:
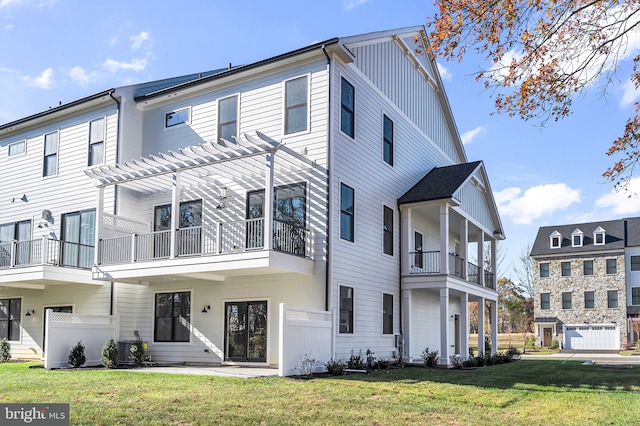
(376, 214)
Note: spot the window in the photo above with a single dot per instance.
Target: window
(589, 300)
(78, 236)
(50, 165)
(566, 269)
(347, 112)
(387, 314)
(346, 309)
(612, 298)
(599, 236)
(21, 232)
(577, 238)
(96, 142)
(387, 141)
(172, 317)
(175, 118)
(295, 107)
(10, 318)
(587, 267)
(228, 118)
(566, 300)
(17, 148)
(544, 270)
(347, 212)
(611, 266)
(387, 230)
(635, 295)
(555, 239)
(189, 223)
(544, 301)
(635, 263)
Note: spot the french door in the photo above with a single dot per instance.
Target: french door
(78, 238)
(189, 239)
(246, 331)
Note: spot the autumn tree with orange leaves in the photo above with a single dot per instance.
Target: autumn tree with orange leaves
(542, 53)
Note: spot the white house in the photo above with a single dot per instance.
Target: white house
(147, 202)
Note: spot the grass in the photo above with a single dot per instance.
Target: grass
(524, 392)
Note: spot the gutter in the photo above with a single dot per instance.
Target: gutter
(327, 293)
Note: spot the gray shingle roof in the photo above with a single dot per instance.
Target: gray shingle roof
(439, 183)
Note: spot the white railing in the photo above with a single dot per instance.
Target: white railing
(45, 251)
(120, 223)
(225, 237)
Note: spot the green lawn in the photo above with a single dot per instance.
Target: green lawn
(525, 392)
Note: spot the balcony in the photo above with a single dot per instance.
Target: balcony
(428, 263)
(37, 262)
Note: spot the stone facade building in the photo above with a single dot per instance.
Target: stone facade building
(584, 283)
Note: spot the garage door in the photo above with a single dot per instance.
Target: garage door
(591, 337)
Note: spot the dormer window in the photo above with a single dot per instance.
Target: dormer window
(577, 238)
(556, 239)
(599, 236)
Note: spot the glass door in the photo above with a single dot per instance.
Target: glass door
(189, 239)
(246, 331)
(78, 238)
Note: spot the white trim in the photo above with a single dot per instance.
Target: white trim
(555, 235)
(181, 124)
(577, 233)
(284, 106)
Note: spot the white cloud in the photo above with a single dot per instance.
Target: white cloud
(138, 40)
(351, 4)
(629, 93)
(445, 74)
(622, 202)
(535, 202)
(4, 3)
(470, 135)
(136, 65)
(43, 81)
(80, 76)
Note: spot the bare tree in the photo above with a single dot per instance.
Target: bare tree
(525, 271)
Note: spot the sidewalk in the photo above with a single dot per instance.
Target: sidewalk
(221, 371)
(599, 357)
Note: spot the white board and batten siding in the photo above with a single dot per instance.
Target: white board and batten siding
(474, 203)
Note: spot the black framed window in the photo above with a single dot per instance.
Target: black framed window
(566, 269)
(612, 266)
(295, 106)
(50, 164)
(387, 230)
(387, 140)
(96, 142)
(577, 240)
(612, 298)
(177, 117)
(10, 312)
(587, 267)
(346, 309)
(635, 263)
(228, 118)
(78, 239)
(544, 270)
(172, 317)
(566, 300)
(387, 314)
(347, 212)
(545, 301)
(589, 299)
(635, 295)
(348, 108)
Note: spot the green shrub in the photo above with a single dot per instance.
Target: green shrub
(335, 367)
(76, 356)
(5, 350)
(469, 362)
(530, 342)
(431, 358)
(481, 360)
(110, 354)
(554, 344)
(136, 353)
(512, 354)
(355, 361)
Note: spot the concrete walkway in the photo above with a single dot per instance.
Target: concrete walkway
(600, 357)
(221, 371)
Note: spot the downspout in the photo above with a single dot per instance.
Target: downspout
(401, 296)
(327, 301)
(115, 191)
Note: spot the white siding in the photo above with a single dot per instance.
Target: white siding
(474, 203)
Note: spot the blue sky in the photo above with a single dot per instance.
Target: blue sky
(60, 50)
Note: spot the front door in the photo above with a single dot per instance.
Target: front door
(547, 333)
(457, 334)
(65, 309)
(246, 331)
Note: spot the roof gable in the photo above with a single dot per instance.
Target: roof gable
(614, 237)
(440, 183)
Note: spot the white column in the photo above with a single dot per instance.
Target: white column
(480, 257)
(406, 324)
(494, 326)
(406, 241)
(480, 325)
(99, 225)
(444, 326)
(175, 213)
(464, 325)
(268, 202)
(444, 239)
(494, 269)
(464, 246)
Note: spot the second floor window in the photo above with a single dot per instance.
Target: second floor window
(347, 108)
(566, 269)
(387, 230)
(566, 300)
(635, 263)
(177, 117)
(17, 148)
(347, 213)
(589, 300)
(612, 299)
(612, 267)
(544, 301)
(544, 270)
(228, 118)
(635, 295)
(587, 267)
(50, 164)
(387, 141)
(96, 142)
(295, 105)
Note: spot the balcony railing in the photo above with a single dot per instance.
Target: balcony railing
(45, 251)
(428, 262)
(225, 237)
